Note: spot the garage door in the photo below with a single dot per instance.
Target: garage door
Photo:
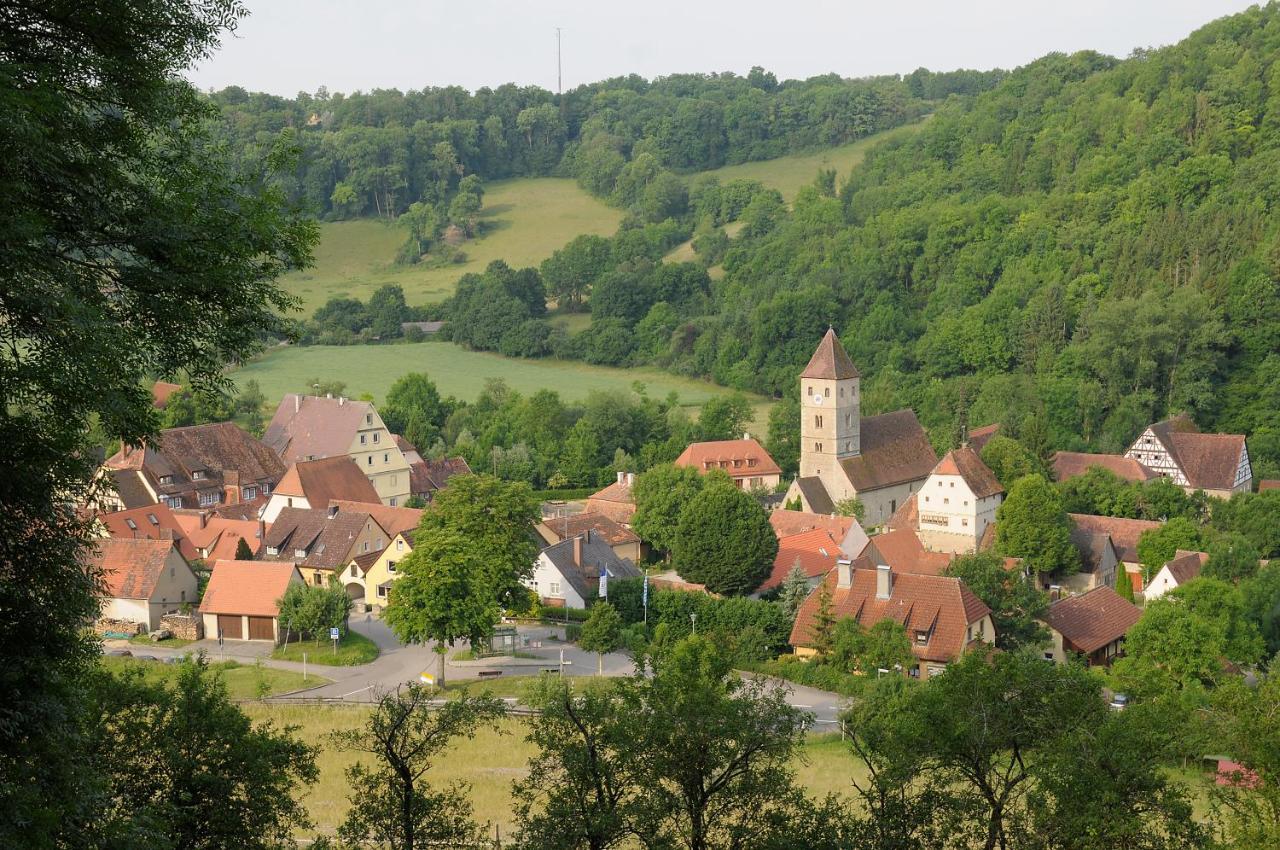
(260, 629)
(229, 626)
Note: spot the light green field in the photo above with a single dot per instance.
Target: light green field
(526, 220)
(491, 761)
(788, 173)
(456, 372)
(244, 681)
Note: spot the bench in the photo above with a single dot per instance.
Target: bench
(489, 674)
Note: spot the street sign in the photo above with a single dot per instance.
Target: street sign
(426, 678)
(333, 634)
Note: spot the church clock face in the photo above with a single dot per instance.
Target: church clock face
(817, 400)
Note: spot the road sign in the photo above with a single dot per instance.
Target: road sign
(426, 678)
(333, 634)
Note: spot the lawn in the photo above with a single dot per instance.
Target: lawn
(524, 221)
(456, 372)
(352, 649)
(788, 173)
(490, 762)
(168, 643)
(243, 681)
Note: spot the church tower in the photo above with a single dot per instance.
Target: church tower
(830, 410)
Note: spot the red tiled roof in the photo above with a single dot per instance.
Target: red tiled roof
(940, 605)
(976, 474)
(1209, 461)
(1185, 565)
(815, 551)
(988, 541)
(160, 392)
(243, 510)
(392, 520)
(428, 476)
(732, 456)
(153, 522)
(599, 525)
(130, 568)
(786, 523)
(1070, 464)
(894, 450)
(908, 515)
(1124, 533)
(325, 480)
(252, 588)
(979, 437)
(830, 361)
(219, 535)
(613, 501)
(902, 551)
(1094, 619)
(327, 541)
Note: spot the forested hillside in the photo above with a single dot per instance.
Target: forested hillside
(380, 152)
(1087, 247)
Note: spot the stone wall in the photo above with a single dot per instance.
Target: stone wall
(109, 624)
(183, 626)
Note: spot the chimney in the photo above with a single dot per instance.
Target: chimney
(297, 403)
(631, 478)
(577, 551)
(204, 519)
(884, 582)
(622, 478)
(342, 400)
(844, 573)
(746, 435)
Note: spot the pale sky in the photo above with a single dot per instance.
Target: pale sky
(287, 46)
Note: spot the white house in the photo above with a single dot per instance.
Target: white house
(1183, 567)
(316, 483)
(145, 579)
(568, 573)
(957, 502)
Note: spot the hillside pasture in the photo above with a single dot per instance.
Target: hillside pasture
(523, 222)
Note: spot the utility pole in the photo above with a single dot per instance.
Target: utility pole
(559, 77)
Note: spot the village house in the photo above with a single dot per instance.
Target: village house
(568, 573)
(144, 579)
(242, 600)
(615, 501)
(160, 393)
(1218, 464)
(815, 552)
(1092, 625)
(217, 538)
(745, 461)
(199, 466)
(392, 520)
(879, 460)
(152, 522)
(310, 427)
(316, 483)
(957, 502)
(1067, 465)
(322, 542)
(624, 542)
(1180, 569)
(427, 477)
(942, 617)
(375, 571)
(902, 551)
(1099, 561)
(979, 437)
(1124, 534)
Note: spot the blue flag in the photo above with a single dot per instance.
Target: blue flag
(644, 593)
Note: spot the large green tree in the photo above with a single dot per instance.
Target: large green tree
(1017, 606)
(1031, 524)
(660, 494)
(125, 223)
(724, 540)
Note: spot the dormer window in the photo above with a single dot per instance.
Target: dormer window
(166, 479)
(273, 550)
(921, 638)
(133, 525)
(197, 474)
(299, 553)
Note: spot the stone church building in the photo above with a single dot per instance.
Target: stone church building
(880, 460)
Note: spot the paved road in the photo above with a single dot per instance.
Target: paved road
(398, 664)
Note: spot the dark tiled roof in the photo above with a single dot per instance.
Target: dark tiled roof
(940, 605)
(130, 568)
(830, 361)
(816, 495)
(327, 541)
(976, 474)
(325, 480)
(366, 560)
(1092, 546)
(1209, 461)
(564, 528)
(739, 458)
(392, 520)
(584, 577)
(129, 487)
(908, 514)
(979, 437)
(1094, 619)
(1124, 533)
(894, 450)
(434, 475)
(1070, 464)
(1186, 565)
(1269, 484)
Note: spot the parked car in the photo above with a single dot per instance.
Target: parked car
(1119, 702)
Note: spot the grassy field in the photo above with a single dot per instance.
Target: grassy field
(243, 681)
(788, 173)
(491, 762)
(526, 220)
(353, 649)
(456, 371)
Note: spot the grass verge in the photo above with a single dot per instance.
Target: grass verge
(244, 681)
(353, 649)
(168, 643)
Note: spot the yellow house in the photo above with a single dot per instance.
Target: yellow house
(323, 543)
(381, 572)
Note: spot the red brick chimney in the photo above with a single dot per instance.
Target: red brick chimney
(577, 551)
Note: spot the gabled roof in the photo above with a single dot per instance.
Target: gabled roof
(366, 560)
(129, 487)
(614, 501)
(902, 551)
(1124, 533)
(428, 476)
(979, 437)
(160, 392)
(392, 520)
(252, 588)
(1209, 461)
(1092, 546)
(739, 458)
(830, 361)
(219, 535)
(816, 495)
(242, 510)
(327, 541)
(221, 453)
(1070, 464)
(965, 463)
(894, 450)
(786, 523)
(152, 522)
(940, 605)
(1094, 619)
(565, 528)
(130, 568)
(815, 551)
(584, 576)
(324, 480)
(311, 426)
(1185, 565)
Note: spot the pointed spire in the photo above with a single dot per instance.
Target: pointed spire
(830, 361)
